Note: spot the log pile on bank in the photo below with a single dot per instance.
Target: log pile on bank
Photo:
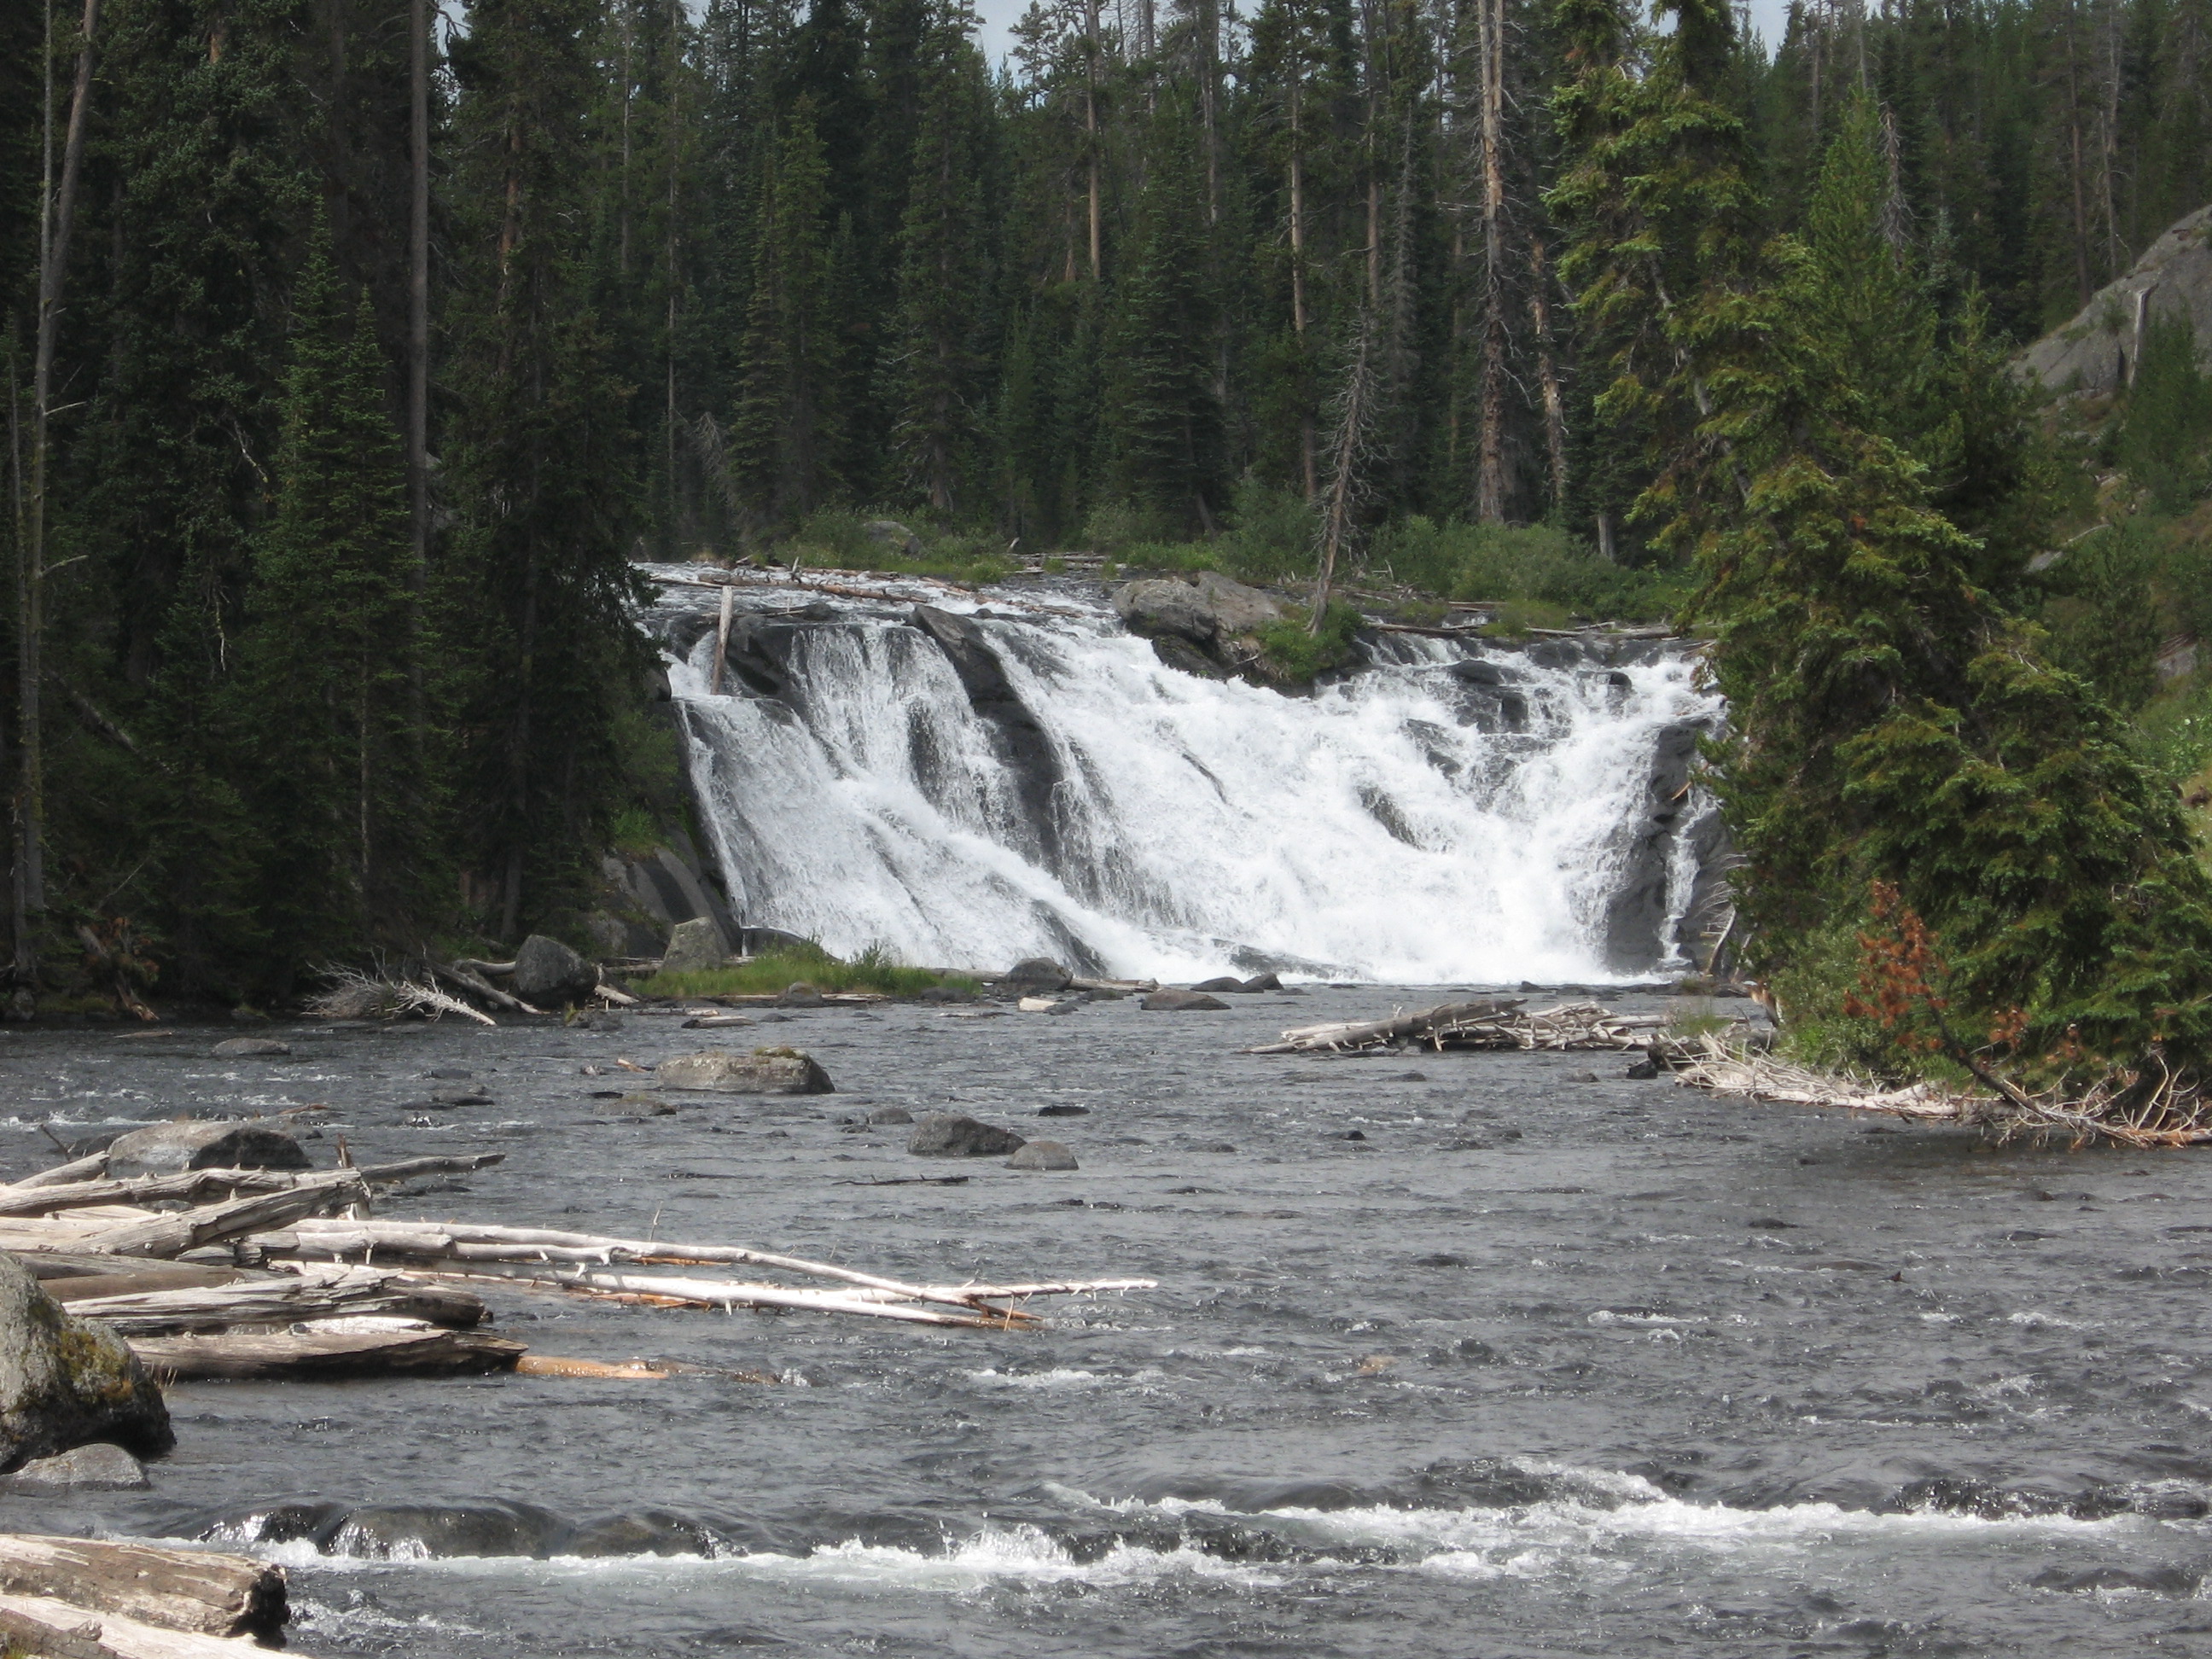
(1492, 1024)
(280, 1273)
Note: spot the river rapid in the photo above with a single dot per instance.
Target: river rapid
(1550, 1361)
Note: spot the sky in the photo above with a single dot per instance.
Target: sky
(999, 18)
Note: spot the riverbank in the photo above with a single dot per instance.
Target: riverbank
(1537, 1364)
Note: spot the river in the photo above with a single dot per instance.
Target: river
(1549, 1362)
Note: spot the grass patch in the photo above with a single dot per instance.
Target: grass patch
(766, 975)
(1296, 655)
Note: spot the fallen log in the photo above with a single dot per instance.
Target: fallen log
(1491, 1025)
(200, 1591)
(270, 1300)
(486, 1245)
(53, 1629)
(670, 1290)
(90, 1167)
(202, 1185)
(173, 1235)
(311, 1355)
(469, 981)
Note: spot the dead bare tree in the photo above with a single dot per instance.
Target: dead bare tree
(1350, 448)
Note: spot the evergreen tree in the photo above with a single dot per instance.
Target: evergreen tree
(785, 431)
(937, 365)
(325, 659)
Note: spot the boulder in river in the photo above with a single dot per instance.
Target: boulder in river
(694, 946)
(204, 1144)
(891, 1114)
(65, 1382)
(96, 1466)
(1203, 608)
(247, 1048)
(955, 1134)
(799, 994)
(546, 971)
(1262, 983)
(1181, 1002)
(1226, 982)
(1035, 976)
(401, 1532)
(1041, 1155)
(764, 1071)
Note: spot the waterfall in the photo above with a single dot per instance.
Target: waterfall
(1007, 775)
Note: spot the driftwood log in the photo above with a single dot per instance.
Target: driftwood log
(198, 1591)
(203, 1186)
(56, 1630)
(134, 1309)
(573, 1260)
(1494, 1025)
(331, 1353)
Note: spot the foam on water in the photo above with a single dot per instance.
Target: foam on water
(1373, 830)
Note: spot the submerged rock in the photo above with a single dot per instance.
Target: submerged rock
(204, 1144)
(1181, 1002)
(98, 1467)
(891, 1114)
(546, 971)
(66, 1382)
(247, 1048)
(764, 1071)
(414, 1532)
(1041, 1155)
(955, 1134)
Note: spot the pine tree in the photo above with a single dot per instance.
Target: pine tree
(786, 429)
(324, 667)
(937, 363)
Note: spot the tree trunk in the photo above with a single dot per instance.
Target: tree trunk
(56, 215)
(1091, 131)
(1490, 443)
(418, 350)
(1307, 463)
(1548, 374)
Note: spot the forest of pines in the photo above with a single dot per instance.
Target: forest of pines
(356, 349)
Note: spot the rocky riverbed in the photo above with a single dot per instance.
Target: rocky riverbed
(1491, 1354)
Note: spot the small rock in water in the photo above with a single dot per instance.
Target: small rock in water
(459, 1097)
(1644, 1070)
(604, 1019)
(764, 1071)
(799, 994)
(1067, 1006)
(1063, 1111)
(206, 1144)
(449, 1073)
(1042, 1155)
(1213, 1147)
(1413, 1077)
(1349, 1134)
(946, 993)
(1036, 1005)
(891, 1114)
(635, 1106)
(1261, 983)
(955, 1134)
(1585, 1077)
(1181, 1002)
(1035, 976)
(1226, 982)
(96, 1467)
(246, 1047)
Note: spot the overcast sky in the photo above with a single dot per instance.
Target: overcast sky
(999, 16)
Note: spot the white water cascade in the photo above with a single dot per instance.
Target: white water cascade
(1042, 785)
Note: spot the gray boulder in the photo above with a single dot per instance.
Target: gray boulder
(1204, 608)
(694, 946)
(98, 1467)
(204, 1144)
(546, 971)
(891, 1114)
(764, 1071)
(1181, 1002)
(1042, 1155)
(1261, 983)
(2095, 353)
(1226, 982)
(1036, 976)
(955, 1134)
(65, 1382)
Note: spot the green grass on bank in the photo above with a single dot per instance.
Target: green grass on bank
(765, 976)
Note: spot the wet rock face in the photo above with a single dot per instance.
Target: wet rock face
(1204, 609)
(2093, 353)
(172, 1148)
(955, 1134)
(66, 1382)
(1035, 976)
(411, 1532)
(764, 1071)
(693, 946)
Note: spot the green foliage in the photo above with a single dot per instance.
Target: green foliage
(871, 970)
(1297, 654)
(2168, 416)
(1535, 563)
(2102, 613)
